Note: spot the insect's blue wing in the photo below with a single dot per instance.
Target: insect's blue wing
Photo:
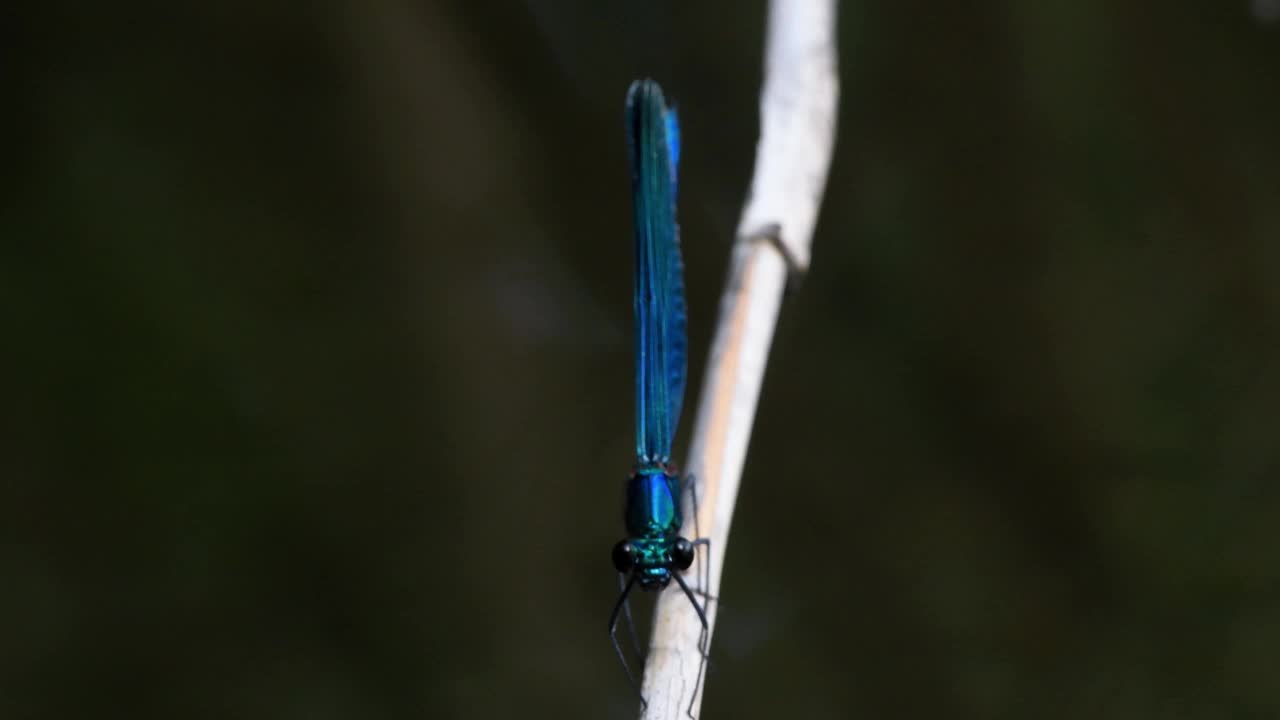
(672, 122)
(653, 134)
(676, 340)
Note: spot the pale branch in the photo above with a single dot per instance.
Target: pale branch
(797, 134)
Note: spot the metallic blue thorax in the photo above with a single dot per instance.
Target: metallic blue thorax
(653, 521)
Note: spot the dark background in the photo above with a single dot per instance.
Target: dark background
(318, 402)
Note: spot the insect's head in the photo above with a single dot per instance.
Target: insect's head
(651, 561)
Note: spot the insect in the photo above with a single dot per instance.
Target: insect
(654, 552)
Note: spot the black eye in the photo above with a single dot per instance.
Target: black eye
(624, 556)
(682, 554)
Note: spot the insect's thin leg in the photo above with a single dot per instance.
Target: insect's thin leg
(702, 642)
(626, 614)
(705, 566)
(613, 636)
(704, 561)
(702, 616)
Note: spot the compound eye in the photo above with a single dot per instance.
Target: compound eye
(682, 554)
(624, 556)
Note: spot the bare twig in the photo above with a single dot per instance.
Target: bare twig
(798, 111)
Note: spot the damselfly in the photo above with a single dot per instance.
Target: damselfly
(654, 552)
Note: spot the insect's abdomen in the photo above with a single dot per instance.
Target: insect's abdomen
(653, 506)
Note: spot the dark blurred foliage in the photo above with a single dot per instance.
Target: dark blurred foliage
(316, 333)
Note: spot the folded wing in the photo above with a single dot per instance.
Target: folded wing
(661, 358)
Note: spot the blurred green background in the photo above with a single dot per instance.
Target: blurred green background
(318, 402)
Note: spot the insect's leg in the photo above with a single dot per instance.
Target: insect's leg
(704, 559)
(626, 614)
(702, 642)
(613, 636)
